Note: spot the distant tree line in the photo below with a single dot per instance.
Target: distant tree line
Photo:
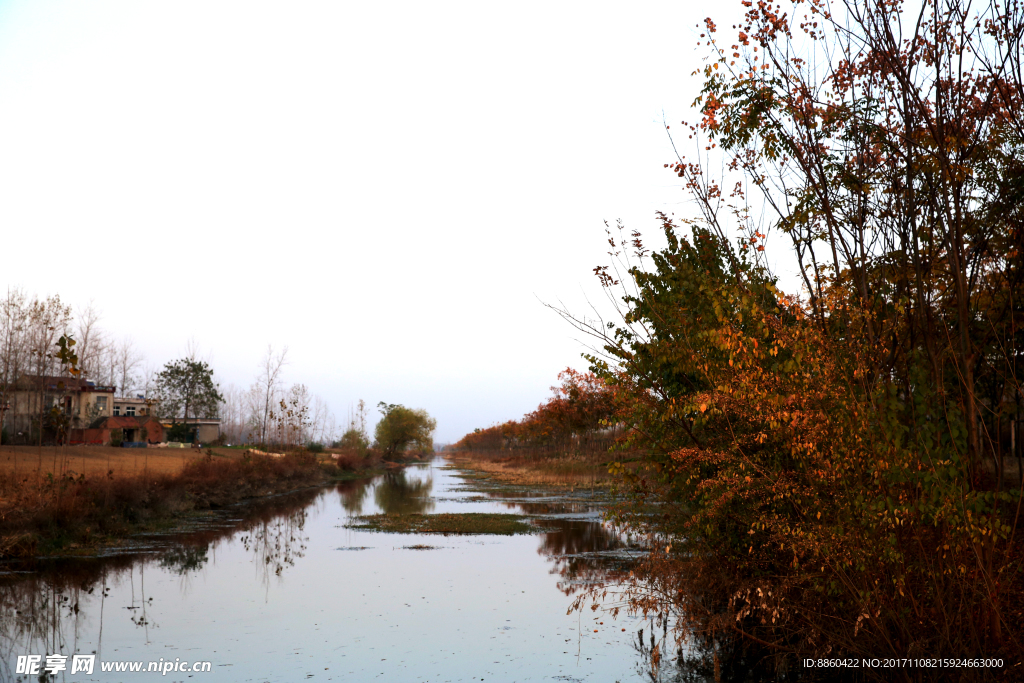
(578, 418)
(185, 388)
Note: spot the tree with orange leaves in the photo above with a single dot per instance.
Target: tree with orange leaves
(577, 412)
(830, 468)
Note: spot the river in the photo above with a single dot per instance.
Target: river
(282, 590)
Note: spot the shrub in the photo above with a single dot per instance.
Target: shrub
(116, 437)
(348, 461)
(181, 432)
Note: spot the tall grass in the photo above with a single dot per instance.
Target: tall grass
(542, 466)
(43, 513)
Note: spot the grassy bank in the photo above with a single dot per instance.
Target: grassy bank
(538, 467)
(45, 514)
(446, 523)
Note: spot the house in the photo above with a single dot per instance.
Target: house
(204, 430)
(136, 429)
(87, 409)
(133, 430)
(34, 397)
(131, 407)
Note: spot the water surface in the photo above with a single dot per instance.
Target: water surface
(283, 591)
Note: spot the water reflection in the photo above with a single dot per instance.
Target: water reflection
(47, 605)
(171, 595)
(45, 613)
(396, 493)
(582, 553)
(276, 544)
(353, 494)
(186, 559)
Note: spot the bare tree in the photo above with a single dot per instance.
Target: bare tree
(297, 412)
(148, 383)
(13, 317)
(127, 360)
(266, 389)
(234, 412)
(318, 420)
(106, 365)
(47, 319)
(91, 341)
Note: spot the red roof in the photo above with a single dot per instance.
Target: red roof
(125, 421)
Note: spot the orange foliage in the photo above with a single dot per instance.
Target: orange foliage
(576, 417)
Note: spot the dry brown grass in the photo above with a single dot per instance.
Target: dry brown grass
(98, 460)
(585, 471)
(40, 512)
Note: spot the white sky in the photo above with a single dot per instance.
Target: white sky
(387, 188)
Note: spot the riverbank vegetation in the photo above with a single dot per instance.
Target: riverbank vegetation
(57, 498)
(446, 523)
(831, 470)
(564, 442)
(41, 514)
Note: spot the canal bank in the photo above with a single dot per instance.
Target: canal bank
(295, 592)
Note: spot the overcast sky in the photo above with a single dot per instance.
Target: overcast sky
(388, 188)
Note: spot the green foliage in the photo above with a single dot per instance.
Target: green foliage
(801, 488)
(116, 437)
(187, 390)
(401, 429)
(354, 439)
(181, 432)
(66, 356)
(829, 468)
(315, 447)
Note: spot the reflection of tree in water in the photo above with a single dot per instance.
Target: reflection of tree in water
(185, 559)
(45, 610)
(572, 537)
(661, 658)
(276, 544)
(606, 583)
(571, 547)
(352, 494)
(396, 494)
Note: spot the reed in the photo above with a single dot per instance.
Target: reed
(43, 514)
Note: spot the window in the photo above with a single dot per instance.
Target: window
(101, 404)
(130, 410)
(117, 410)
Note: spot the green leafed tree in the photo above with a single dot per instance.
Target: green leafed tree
(401, 429)
(354, 439)
(187, 390)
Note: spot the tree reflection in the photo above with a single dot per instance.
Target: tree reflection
(579, 551)
(584, 556)
(185, 559)
(353, 494)
(45, 613)
(396, 494)
(276, 544)
(50, 606)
